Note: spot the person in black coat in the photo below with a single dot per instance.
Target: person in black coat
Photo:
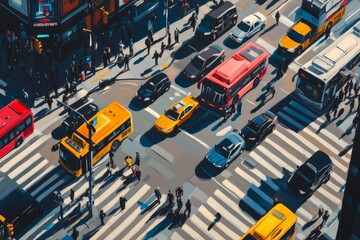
(156, 57)
(157, 194)
(122, 201)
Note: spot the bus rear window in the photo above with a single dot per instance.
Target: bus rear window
(251, 53)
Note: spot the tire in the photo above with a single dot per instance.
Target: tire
(262, 27)
(19, 142)
(115, 145)
(222, 59)
(256, 83)
(241, 151)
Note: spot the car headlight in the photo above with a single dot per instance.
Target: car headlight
(292, 50)
(207, 33)
(252, 138)
(302, 192)
(146, 99)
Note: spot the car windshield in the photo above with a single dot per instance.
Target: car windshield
(69, 159)
(207, 22)
(223, 147)
(295, 36)
(256, 124)
(243, 26)
(149, 87)
(198, 62)
(172, 114)
(306, 173)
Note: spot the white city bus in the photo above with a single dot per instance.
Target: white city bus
(321, 78)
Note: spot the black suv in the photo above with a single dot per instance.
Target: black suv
(73, 121)
(153, 88)
(218, 21)
(309, 176)
(204, 62)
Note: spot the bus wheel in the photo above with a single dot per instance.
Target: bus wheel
(256, 83)
(115, 145)
(19, 142)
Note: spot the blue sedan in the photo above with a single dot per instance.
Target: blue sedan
(222, 154)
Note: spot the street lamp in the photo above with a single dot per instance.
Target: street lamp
(92, 130)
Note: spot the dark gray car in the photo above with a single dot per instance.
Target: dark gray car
(312, 174)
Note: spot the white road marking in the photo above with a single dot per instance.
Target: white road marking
(288, 155)
(212, 234)
(152, 112)
(352, 15)
(196, 139)
(152, 226)
(266, 164)
(246, 176)
(25, 165)
(128, 83)
(275, 159)
(49, 122)
(191, 232)
(39, 177)
(55, 176)
(32, 172)
(223, 131)
(270, 48)
(176, 236)
(180, 90)
(250, 102)
(52, 188)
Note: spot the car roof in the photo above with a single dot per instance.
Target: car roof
(251, 19)
(157, 78)
(220, 10)
(302, 28)
(209, 51)
(180, 105)
(234, 137)
(319, 160)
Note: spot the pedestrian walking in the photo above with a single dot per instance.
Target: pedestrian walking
(276, 201)
(197, 10)
(75, 233)
(355, 121)
(169, 41)
(148, 44)
(170, 197)
(176, 35)
(122, 201)
(109, 168)
(341, 96)
(121, 50)
(325, 217)
(54, 86)
(351, 86)
(319, 214)
(314, 233)
(277, 17)
(72, 195)
(179, 192)
(138, 174)
(151, 36)
(328, 117)
(111, 156)
(163, 49)
(49, 101)
(156, 57)
(356, 89)
(193, 22)
(239, 106)
(327, 32)
(157, 194)
(25, 97)
(341, 111)
(279, 72)
(104, 57)
(126, 63)
(351, 105)
(346, 90)
(187, 208)
(102, 217)
(137, 159)
(64, 98)
(131, 48)
(227, 112)
(128, 161)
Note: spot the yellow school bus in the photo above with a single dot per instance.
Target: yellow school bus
(278, 223)
(112, 125)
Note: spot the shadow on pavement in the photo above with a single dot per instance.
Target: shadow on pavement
(134, 105)
(183, 81)
(201, 119)
(205, 172)
(58, 133)
(231, 44)
(152, 137)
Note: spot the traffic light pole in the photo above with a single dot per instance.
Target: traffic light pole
(90, 157)
(92, 37)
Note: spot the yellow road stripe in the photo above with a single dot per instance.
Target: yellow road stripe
(99, 77)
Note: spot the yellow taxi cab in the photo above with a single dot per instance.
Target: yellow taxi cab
(176, 115)
(297, 39)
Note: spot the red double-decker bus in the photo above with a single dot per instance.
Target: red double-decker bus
(231, 80)
(16, 124)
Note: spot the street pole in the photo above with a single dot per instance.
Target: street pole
(92, 37)
(166, 16)
(90, 157)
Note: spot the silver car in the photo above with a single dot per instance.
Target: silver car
(248, 27)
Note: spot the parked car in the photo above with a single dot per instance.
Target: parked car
(74, 121)
(217, 21)
(259, 127)
(204, 62)
(248, 27)
(153, 88)
(312, 174)
(176, 115)
(222, 154)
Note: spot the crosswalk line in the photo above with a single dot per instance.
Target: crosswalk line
(341, 143)
(338, 179)
(108, 191)
(136, 197)
(304, 110)
(233, 206)
(39, 177)
(306, 216)
(332, 185)
(292, 144)
(264, 163)
(135, 229)
(191, 232)
(114, 200)
(209, 216)
(273, 158)
(52, 188)
(226, 214)
(291, 121)
(152, 226)
(329, 196)
(306, 142)
(23, 154)
(212, 234)
(246, 176)
(176, 236)
(284, 152)
(54, 177)
(297, 115)
(32, 172)
(233, 188)
(25, 165)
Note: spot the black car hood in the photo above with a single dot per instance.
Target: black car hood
(298, 182)
(190, 69)
(247, 133)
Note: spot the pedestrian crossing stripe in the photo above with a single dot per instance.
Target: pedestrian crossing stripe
(316, 202)
(176, 236)
(48, 181)
(246, 176)
(25, 165)
(264, 163)
(329, 196)
(152, 226)
(274, 158)
(135, 229)
(191, 232)
(136, 197)
(43, 172)
(210, 217)
(52, 188)
(305, 215)
(285, 153)
(201, 225)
